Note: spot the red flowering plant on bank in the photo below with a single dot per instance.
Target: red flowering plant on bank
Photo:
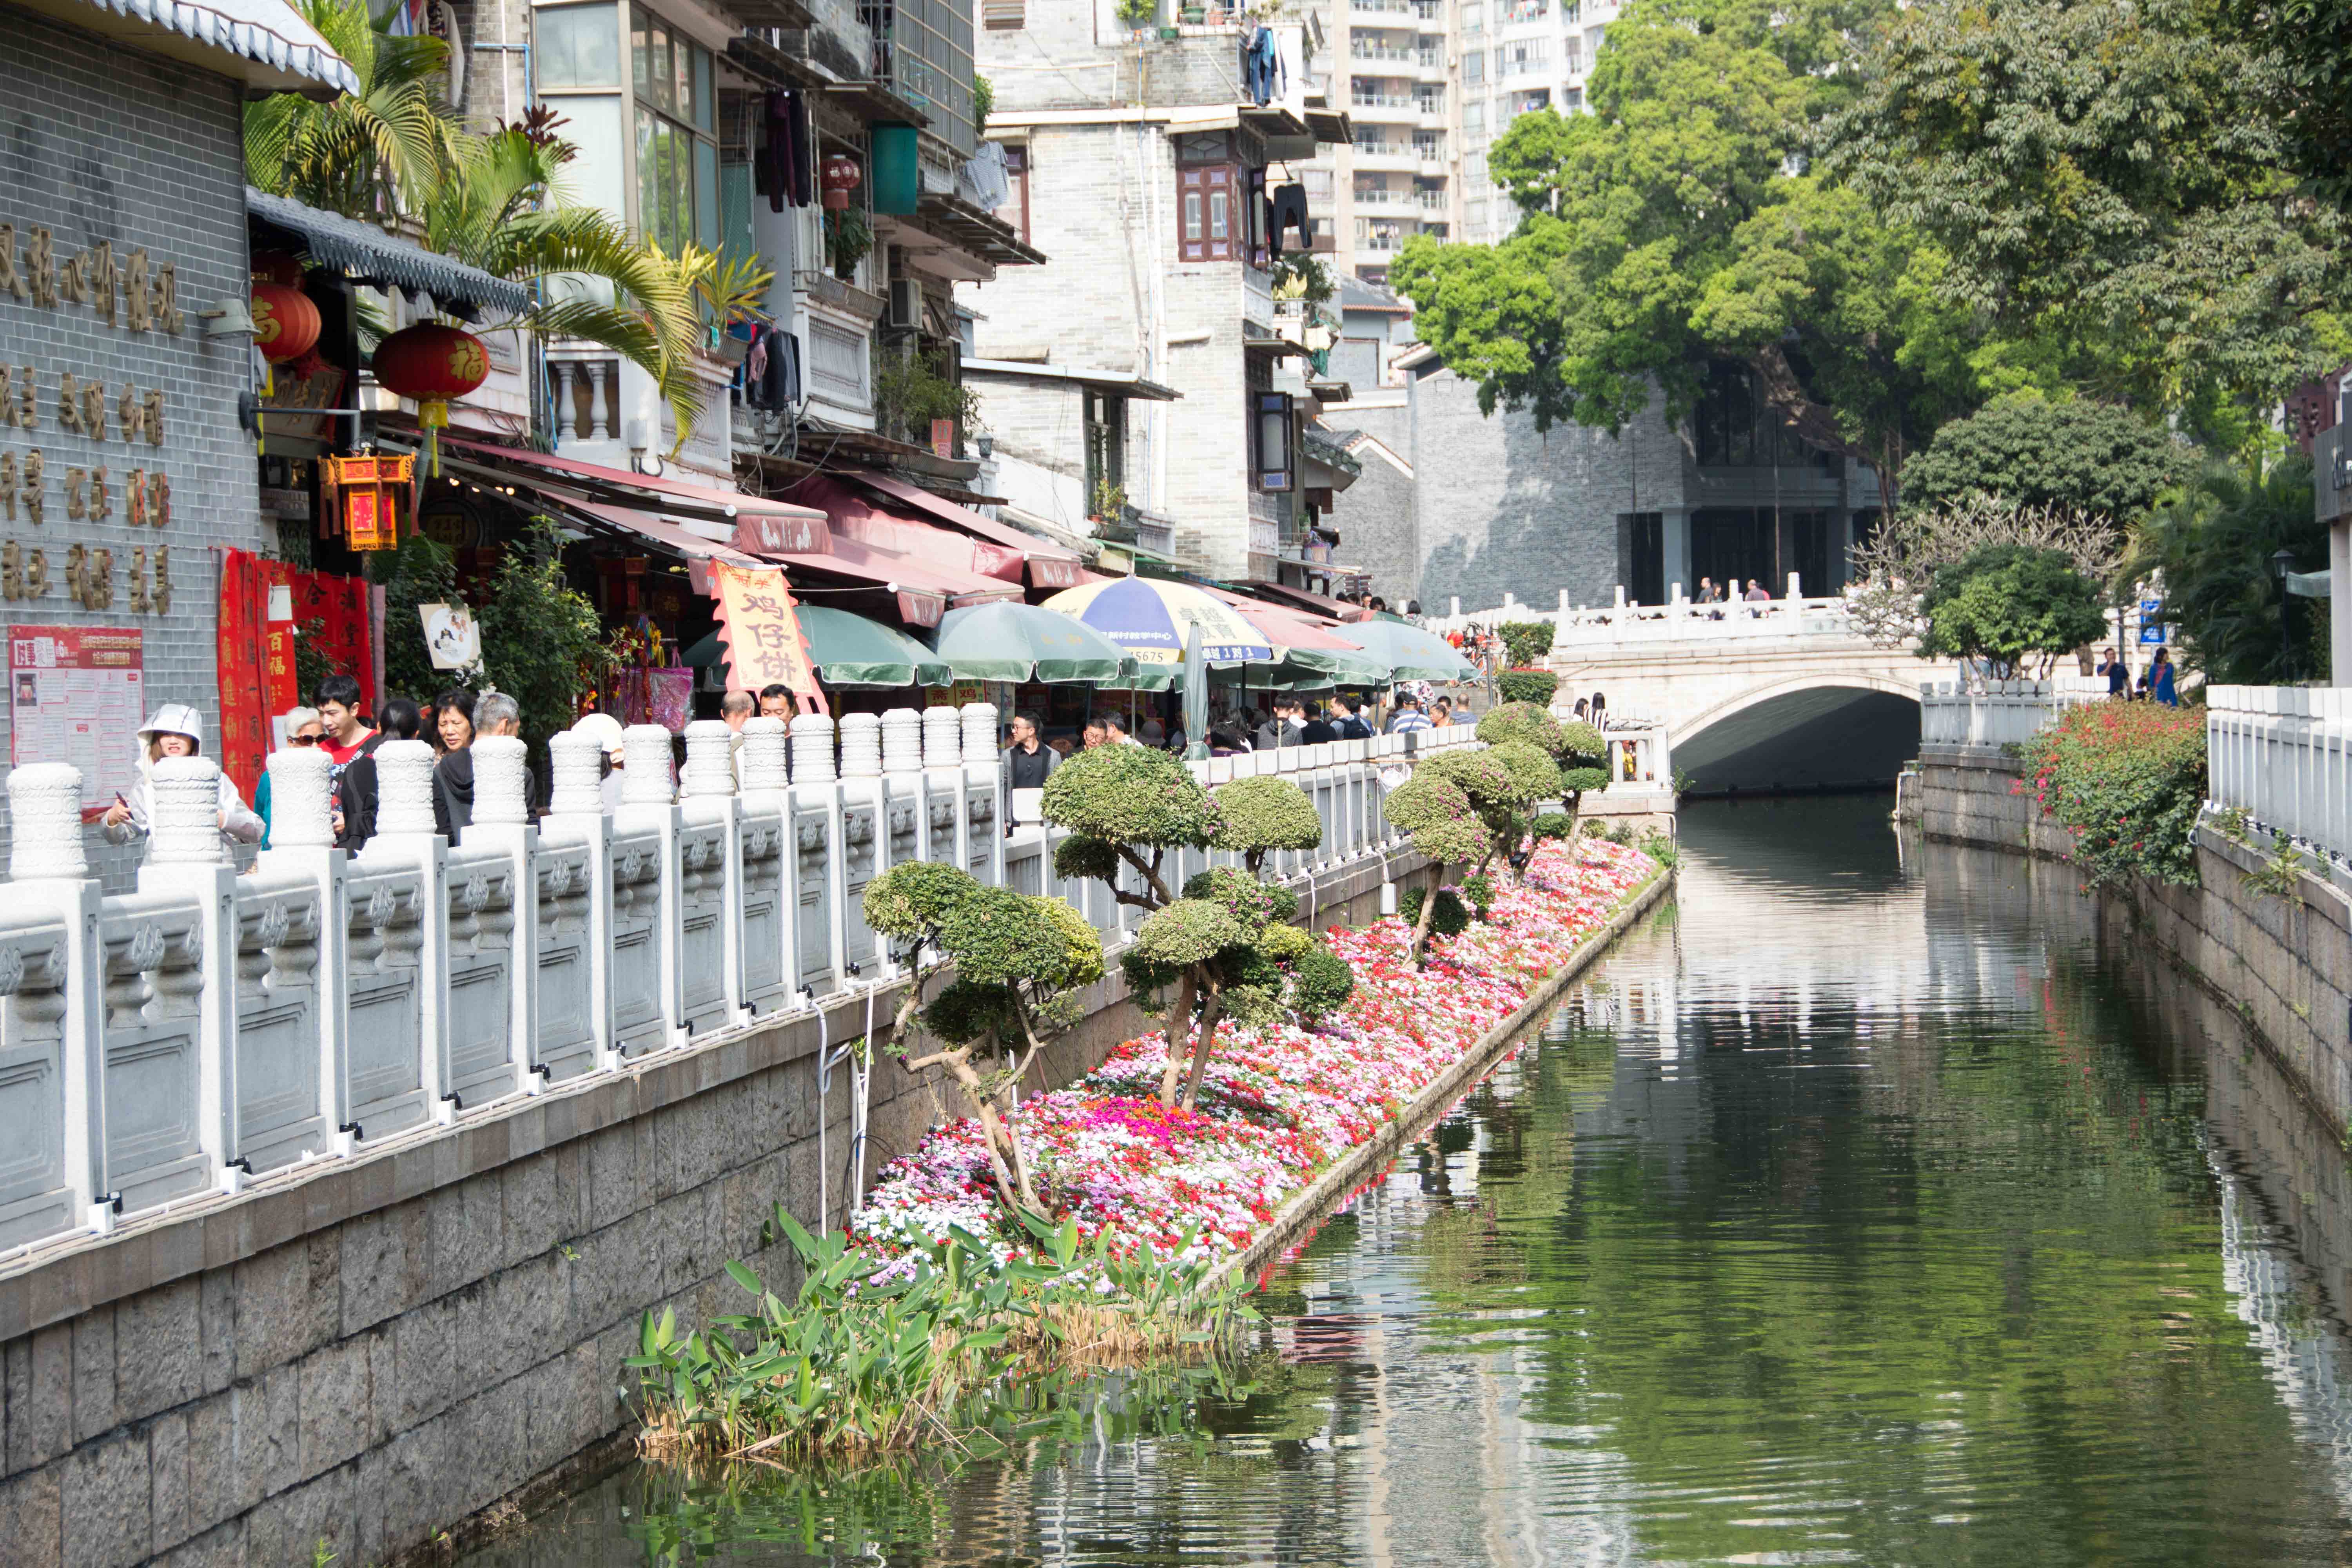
(2127, 780)
(1278, 1103)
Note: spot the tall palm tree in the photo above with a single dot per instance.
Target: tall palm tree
(393, 155)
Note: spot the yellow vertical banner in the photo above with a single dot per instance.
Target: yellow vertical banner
(763, 634)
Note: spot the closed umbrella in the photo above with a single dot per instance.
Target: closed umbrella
(1023, 643)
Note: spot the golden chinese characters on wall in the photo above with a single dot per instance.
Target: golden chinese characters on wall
(131, 292)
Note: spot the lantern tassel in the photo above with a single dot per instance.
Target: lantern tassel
(431, 415)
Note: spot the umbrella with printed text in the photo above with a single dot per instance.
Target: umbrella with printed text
(1149, 618)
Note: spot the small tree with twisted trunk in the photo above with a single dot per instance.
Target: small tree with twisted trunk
(1017, 958)
(1127, 807)
(1435, 811)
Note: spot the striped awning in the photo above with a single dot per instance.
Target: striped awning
(264, 31)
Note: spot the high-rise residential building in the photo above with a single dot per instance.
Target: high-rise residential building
(1389, 65)
(1510, 57)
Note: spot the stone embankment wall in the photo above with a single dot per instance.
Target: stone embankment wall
(2283, 961)
(368, 1357)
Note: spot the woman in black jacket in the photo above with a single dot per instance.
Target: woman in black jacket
(355, 792)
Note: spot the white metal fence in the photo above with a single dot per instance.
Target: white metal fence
(2282, 754)
(194, 1035)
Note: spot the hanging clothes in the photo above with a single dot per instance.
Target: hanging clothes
(783, 166)
(1287, 210)
(1262, 69)
(771, 371)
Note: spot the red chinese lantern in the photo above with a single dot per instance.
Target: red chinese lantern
(433, 365)
(285, 322)
(840, 176)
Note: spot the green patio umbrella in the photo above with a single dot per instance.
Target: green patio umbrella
(1411, 653)
(850, 650)
(1022, 643)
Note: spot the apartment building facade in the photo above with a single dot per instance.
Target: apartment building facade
(1512, 57)
(1146, 159)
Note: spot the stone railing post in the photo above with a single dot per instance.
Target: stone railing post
(903, 781)
(502, 821)
(48, 869)
(649, 804)
(707, 799)
(984, 770)
(303, 844)
(575, 814)
(943, 760)
(765, 819)
(861, 787)
(406, 834)
(816, 787)
(186, 855)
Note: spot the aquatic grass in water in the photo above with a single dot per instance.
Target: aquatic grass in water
(884, 1353)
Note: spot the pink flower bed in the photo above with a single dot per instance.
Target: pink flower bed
(1278, 1104)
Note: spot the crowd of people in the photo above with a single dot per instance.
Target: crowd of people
(2156, 682)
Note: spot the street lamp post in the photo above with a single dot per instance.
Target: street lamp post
(2282, 564)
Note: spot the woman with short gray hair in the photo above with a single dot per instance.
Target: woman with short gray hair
(304, 727)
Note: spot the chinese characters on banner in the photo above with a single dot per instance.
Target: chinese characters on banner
(75, 696)
(765, 647)
(256, 650)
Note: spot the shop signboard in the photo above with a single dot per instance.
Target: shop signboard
(763, 632)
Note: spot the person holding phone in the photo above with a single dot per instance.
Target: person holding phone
(173, 729)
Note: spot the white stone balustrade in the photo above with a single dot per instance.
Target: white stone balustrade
(208, 1029)
(1992, 714)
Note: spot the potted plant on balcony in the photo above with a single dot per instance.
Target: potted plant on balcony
(727, 289)
(847, 238)
(1139, 15)
(1106, 509)
(909, 393)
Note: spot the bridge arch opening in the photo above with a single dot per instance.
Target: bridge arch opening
(1823, 733)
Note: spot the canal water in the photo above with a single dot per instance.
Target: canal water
(1875, 1204)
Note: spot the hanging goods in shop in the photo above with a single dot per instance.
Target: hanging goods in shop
(371, 488)
(434, 365)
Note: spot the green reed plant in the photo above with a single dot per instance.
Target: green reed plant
(876, 1354)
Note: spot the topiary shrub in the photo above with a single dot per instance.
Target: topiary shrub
(1139, 801)
(1016, 959)
(1259, 814)
(1553, 824)
(1480, 892)
(1530, 722)
(2126, 779)
(1526, 641)
(1320, 983)
(1449, 917)
(1526, 685)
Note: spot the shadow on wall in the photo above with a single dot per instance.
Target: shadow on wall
(1829, 737)
(1504, 508)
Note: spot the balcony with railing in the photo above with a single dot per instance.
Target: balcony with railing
(1372, 50)
(1397, 155)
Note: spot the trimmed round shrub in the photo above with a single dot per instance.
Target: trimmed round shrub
(1484, 777)
(1437, 813)
(1320, 984)
(967, 1010)
(1239, 894)
(1191, 930)
(1523, 721)
(999, 936)
(1554, 825)
(1577, 781)
(1596, 828)
(1480, 892)
(1264, 813)
(1533, 773)
(1081, 958)
(1130, 794)
(1079, 855)
(912, 901)
(1581, 742)
(1284, 902)
(1453, 916)
(1526, 685)
(1283, 943)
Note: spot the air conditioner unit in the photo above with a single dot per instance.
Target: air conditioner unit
(906, 305)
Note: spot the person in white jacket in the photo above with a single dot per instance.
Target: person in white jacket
(174, 729)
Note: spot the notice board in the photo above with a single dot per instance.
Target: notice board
(75, 696)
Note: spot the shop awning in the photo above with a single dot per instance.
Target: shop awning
(642, 490)
(284, 53)
(1048, 565)
(1299, 598)
(366, 254)
(849, 650)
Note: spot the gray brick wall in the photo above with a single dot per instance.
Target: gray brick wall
(100, 143)
(1499, 506)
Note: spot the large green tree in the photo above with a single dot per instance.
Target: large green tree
(2116, 177)
(2092, 459)
(2211, 546)
(1675, 224)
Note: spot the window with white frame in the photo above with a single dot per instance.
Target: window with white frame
(677, 155)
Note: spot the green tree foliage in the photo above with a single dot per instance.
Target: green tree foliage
(1526, 685)
(542, 641)
(1436, 813)
(2210, 547)
(2090, 459)
(1579, 752)
(2008, 602)
(2114, 176)
(1449, 916)
(1015, 958)
(421, 573)
(2127, 780)
(1665, 229)
(1226, 950)
(1527, 640)
(1125, 805)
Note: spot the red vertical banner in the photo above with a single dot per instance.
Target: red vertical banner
(240, 650)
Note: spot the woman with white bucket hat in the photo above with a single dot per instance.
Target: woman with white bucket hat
(174, 729)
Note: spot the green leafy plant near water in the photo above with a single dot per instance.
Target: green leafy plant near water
(875, 1354)
(2126, 779)
(1527, 641)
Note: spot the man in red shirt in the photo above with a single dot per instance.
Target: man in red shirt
(338, 701)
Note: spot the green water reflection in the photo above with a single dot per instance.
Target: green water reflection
(1870, 1206)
